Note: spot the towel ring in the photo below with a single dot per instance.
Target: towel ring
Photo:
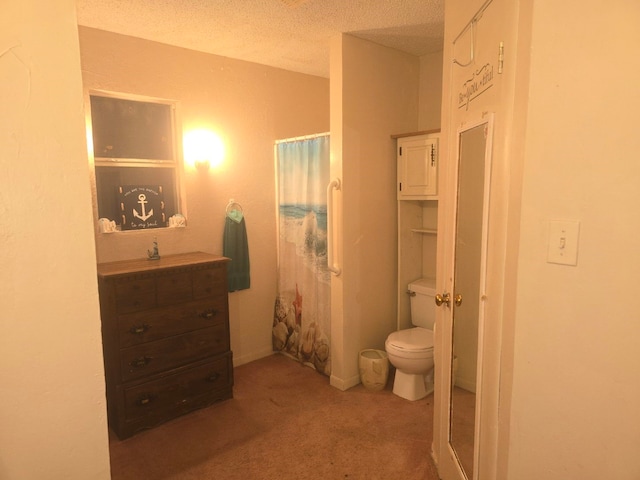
(233, 205)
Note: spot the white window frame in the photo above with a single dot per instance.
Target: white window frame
(175, 164)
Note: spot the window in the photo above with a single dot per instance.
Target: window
(136, 165)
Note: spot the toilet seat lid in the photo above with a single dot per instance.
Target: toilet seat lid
(415, 339)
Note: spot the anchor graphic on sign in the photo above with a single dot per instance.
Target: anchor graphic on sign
(142, 200)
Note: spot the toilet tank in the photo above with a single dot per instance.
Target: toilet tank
(423, 306)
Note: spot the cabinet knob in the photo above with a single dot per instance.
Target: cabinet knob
(213, 377)
(139, 329)
(212, 312)
(443, 298)
(457, 300)
(140, 362)
(144, 400)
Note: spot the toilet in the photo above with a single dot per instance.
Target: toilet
(411, 350)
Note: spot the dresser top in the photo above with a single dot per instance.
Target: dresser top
(124, 267)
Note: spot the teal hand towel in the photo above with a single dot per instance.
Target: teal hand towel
(235, 215)
(236, 247)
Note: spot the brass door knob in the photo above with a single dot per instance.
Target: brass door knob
(443, 298)
(457, 300)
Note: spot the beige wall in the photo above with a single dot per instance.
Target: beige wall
(374, 94)
(52, 406)
(249, 106)
(430, 93)
(577, 328)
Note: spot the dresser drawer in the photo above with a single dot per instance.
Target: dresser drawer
(174, 287)
(209, 382)
(153, 357)
(135, 294)
(209, 282)
(150, 325)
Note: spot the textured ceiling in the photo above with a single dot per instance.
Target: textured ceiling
(289, 34)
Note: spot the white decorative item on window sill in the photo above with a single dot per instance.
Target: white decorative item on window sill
(106, 225)
(177, 221)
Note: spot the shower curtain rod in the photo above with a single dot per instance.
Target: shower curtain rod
(305, 137)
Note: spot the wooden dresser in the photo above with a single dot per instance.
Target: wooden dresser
(165, 334)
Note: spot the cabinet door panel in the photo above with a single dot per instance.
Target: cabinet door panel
(417, 167)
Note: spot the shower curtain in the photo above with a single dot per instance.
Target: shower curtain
(301, 322)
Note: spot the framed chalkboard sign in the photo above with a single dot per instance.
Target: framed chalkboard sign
(141, 207)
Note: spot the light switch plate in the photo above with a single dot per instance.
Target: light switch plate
(563, 242)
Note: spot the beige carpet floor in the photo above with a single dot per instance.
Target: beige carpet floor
(286, 422)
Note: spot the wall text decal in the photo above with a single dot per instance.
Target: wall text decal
(480, 82)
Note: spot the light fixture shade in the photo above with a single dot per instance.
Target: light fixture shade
(203, 149)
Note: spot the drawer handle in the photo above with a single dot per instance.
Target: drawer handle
(140, 362)
(145, 400)
(139, 329)
(213, 377)
(209, 313)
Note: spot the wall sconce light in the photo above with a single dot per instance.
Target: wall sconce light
(203, 149)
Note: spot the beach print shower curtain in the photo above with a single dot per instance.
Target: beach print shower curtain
(301, 323)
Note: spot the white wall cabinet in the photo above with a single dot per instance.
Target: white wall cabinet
(417, 157)
(417, 215)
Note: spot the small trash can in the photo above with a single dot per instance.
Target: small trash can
(374, 368)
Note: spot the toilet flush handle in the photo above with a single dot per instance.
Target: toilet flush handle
(443, 298)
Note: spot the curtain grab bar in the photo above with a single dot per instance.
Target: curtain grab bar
(333, 266)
